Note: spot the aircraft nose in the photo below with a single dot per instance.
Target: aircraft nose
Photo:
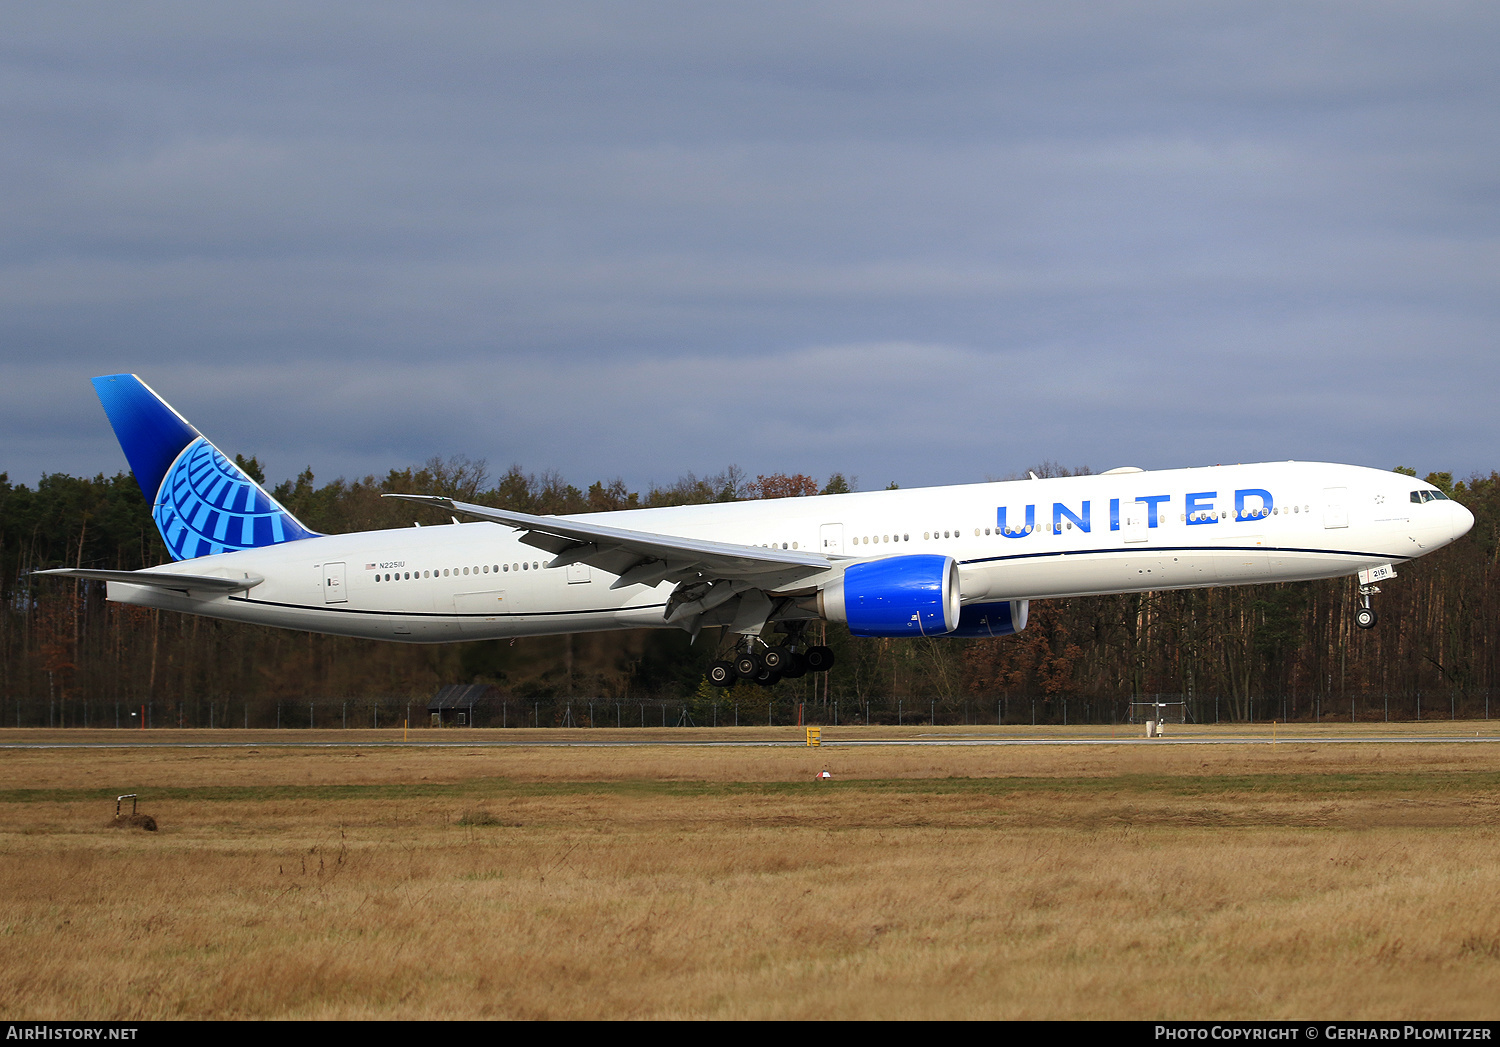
(1462, 520)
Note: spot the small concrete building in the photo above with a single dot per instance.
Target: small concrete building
(464, 705)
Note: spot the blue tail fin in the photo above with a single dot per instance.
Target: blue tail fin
(202, 502)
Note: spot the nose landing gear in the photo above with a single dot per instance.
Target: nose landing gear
(1364, 614)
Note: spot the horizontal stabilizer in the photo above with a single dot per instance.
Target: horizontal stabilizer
(182, 583)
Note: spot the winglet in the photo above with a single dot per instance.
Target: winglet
(202, 502)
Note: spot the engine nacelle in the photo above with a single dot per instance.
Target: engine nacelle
(992, 619)
(899, 596)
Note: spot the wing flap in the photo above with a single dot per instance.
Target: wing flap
(548, 543)
(643, 572)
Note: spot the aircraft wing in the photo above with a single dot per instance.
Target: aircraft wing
(182, 583)
(643, 557)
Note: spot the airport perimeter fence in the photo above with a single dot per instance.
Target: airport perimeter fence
(727, 711)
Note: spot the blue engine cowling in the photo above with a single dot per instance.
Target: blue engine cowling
(991, 619)
(897, 596)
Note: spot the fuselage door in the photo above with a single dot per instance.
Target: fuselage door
(1133, 521)
(831, 538)
(1335, 507)
(333, 583)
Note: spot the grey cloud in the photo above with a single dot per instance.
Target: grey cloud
(912, 242)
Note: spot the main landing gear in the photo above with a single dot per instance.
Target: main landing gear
(767, 664)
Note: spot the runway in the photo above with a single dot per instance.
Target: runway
(776, 743)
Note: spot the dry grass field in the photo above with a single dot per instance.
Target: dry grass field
(1302, 880)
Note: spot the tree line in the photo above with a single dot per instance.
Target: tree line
(1288, 651)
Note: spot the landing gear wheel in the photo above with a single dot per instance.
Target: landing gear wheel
(819, 659)
(768, 678)
(775, 658)
(721, 674)
(1365, 618)
(796, 667)
(747, 666)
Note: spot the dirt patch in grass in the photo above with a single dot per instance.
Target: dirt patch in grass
(132, 821)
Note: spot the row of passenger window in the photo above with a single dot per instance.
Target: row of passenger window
(862, 540)
(405, 576)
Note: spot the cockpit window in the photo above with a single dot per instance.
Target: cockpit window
(1429, 496)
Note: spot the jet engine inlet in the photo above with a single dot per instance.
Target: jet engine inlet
(897, 596)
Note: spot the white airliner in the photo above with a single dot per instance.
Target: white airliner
(941, 561)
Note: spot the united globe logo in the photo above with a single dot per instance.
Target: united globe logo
(207, 505)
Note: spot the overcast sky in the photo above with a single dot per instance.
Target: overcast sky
(929, 243)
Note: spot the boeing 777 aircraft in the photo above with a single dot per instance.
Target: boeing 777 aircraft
(941, 561)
